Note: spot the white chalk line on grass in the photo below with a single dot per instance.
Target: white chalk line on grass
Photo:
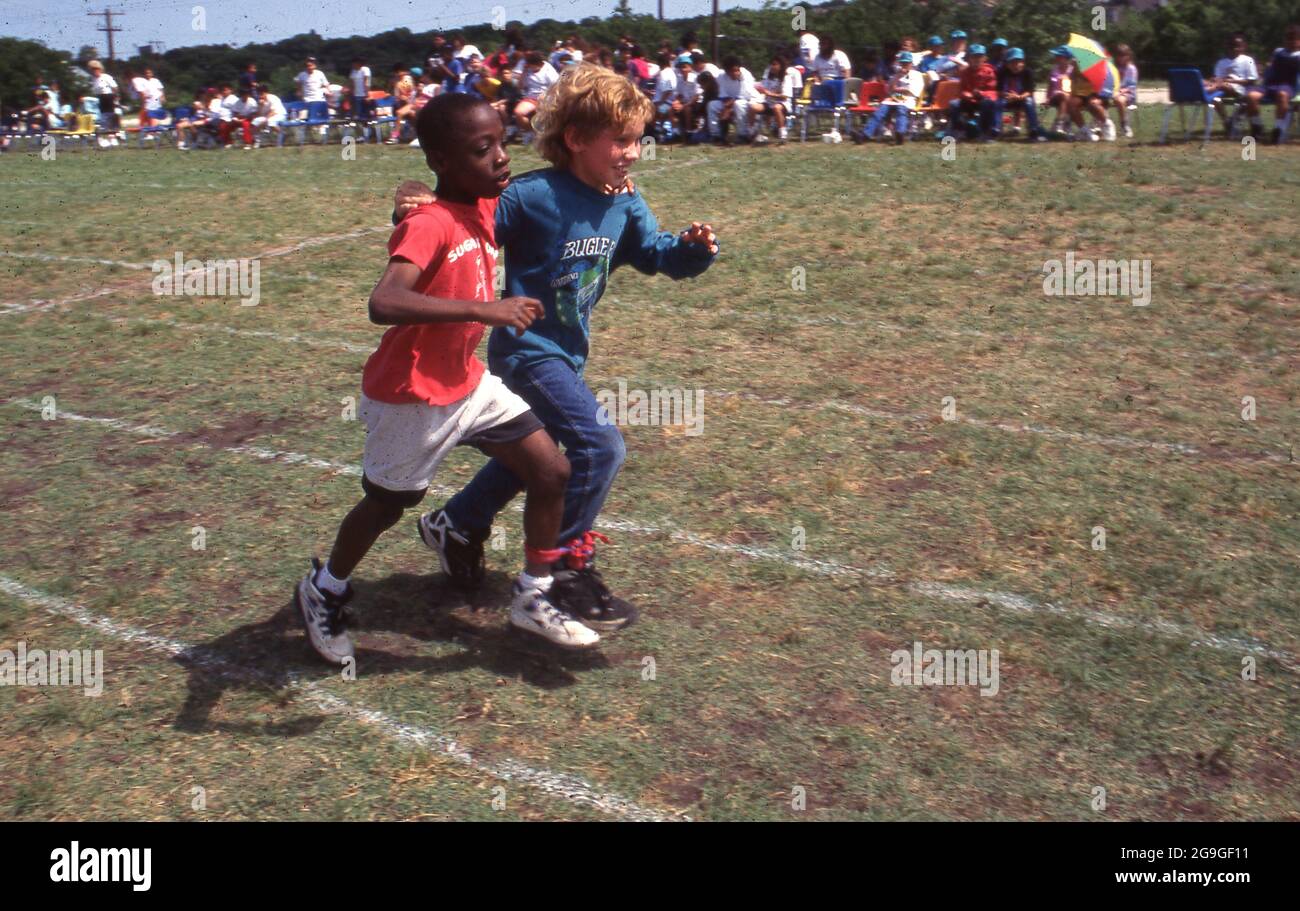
(1072, 436)
(956, 594)
(56, 258)
(567, 787)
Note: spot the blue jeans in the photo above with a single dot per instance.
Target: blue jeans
(1031, 114)
(984, 106)
(567, 408)
(882, 114)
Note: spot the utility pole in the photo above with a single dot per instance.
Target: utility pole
(661, 10)
(108, 15)
(715, 31)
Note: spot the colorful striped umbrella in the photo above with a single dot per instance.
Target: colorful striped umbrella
(1094, 64)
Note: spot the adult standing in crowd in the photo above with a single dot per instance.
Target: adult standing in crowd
(104, 88)
(311, 82)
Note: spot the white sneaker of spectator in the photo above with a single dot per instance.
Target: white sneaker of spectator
(1108, 131)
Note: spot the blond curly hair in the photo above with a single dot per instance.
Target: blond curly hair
(589, 98)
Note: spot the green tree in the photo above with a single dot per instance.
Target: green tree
(21, 62)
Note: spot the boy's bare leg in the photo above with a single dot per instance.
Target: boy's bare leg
(358, 533)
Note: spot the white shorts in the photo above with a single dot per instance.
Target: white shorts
(405, 444)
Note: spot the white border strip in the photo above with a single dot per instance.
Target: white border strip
(571, 788)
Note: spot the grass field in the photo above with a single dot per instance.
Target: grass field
(1120, 668)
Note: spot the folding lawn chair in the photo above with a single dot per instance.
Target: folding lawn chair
(827, 98)
(870, 94)
(1187, 89)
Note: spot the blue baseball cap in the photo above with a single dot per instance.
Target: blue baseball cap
(1061, 51)
(1015, 54)
(1000, 42)
(416, 71)
(976, 50)
(957, 33)
(904, 56)
(683, 60)
(934, 40)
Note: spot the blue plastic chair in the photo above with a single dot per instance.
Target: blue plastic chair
(1187, 88)
(377, 120)
(318, 115)
(156, 129)
(295, 117)
(827, 98)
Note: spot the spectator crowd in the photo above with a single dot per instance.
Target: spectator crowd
(955, 86)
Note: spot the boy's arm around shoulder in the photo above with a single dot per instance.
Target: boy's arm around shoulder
(652, 251)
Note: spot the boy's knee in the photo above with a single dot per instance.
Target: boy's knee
(391, 503)
(610, 450)
(553, 476)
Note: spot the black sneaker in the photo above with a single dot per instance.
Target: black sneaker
(581, 592)
(583, 595)
(1277, 136)
(323, 617)
(459, 552)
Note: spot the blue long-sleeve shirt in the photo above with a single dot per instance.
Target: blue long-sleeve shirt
(562, 238)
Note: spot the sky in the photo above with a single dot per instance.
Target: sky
(65, 25)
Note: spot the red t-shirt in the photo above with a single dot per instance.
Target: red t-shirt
(981, 80)
(434, 363)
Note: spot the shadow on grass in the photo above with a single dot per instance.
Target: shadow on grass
(267, 657)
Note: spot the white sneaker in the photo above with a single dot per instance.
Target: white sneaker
(761, 140)
(322, 616)
(532, 612)
(1108, 130)
(182, 146)
(1128, 131)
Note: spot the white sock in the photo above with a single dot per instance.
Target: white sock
(326, 582)
(541, 583)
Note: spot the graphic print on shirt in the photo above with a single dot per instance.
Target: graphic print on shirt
(585, 266)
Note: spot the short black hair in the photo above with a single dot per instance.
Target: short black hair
(439, 121)
(731, 61)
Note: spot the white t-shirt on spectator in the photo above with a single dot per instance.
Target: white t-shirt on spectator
(784, 86)
(274, 108)
(534, 85)
(152, 94)
(246, 109)
(137, 87)
(665, 85)
(311, 86)
(360, 81)
(104, 84)
(219, 109)
(1237, 70)
(809, 46)
(741, 89)
(836, 66)
(687, 89)
(905, 89)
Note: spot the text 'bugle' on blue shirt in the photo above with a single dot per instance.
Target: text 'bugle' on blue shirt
(562, 238)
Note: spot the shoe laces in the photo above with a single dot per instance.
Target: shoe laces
(542, 605)
(333, 617)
